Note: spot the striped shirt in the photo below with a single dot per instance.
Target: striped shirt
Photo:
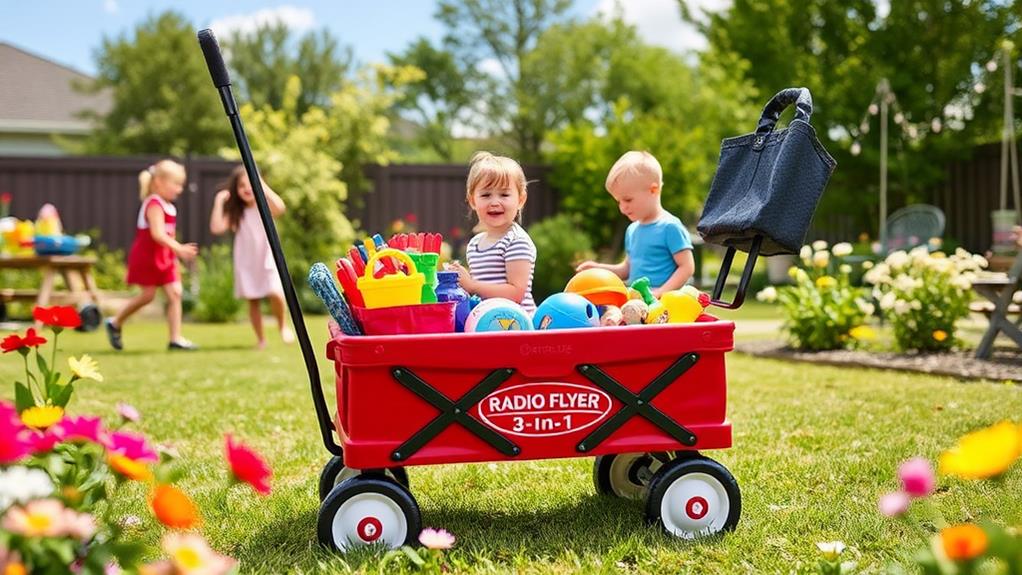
(489, 264)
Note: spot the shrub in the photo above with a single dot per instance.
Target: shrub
(559, 248)
(822, 310)
(924, 294)
(216, 302)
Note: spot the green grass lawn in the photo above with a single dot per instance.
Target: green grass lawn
(814, 448)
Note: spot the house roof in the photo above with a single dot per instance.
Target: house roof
(37, 96)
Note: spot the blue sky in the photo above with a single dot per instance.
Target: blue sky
(70, 31)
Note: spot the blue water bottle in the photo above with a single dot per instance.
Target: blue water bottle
(447, 290)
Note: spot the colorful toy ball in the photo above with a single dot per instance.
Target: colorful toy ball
(600, 286)
(498, 314)
(566, 311)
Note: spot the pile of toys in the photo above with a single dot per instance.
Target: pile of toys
(394, 287)
(44, 237)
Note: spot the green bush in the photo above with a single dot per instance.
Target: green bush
(111, 268)
(823, 310)
(559, 247)
(924, 295)
(216, 302)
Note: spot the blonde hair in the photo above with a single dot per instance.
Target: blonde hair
(161, 169)
(635, 163)
(489, 171)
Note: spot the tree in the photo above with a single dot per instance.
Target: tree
(444, 96)
(618, 94)
(503, 32)
(263, 60)
(931, 51)
(163, 100)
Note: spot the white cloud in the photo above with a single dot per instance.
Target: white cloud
(659, 21)
(297, 19)
(110, 6)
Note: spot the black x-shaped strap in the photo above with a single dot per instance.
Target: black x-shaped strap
(452, 411)
(637, 404)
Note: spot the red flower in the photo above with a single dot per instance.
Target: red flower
(15, 342)
(247, 466)
(5, 198)
(411, 218)
(57, 316)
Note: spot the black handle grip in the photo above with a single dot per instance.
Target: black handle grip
(214, 59)
(802, 99)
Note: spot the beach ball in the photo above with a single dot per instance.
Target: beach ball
(498, 314)
(566, 311)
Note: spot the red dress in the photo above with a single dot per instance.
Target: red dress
(149, 263)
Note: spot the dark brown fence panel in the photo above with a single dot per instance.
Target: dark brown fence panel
(102, 193)
(435, 195)
(970, 193)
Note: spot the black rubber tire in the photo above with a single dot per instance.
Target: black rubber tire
(677, 469)
(368, 483)
(90, 316)
(334, 467)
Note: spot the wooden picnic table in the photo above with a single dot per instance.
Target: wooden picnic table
(999, 291)
(49, 268)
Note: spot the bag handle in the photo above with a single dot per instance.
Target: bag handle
(800, 97)
(389, 253)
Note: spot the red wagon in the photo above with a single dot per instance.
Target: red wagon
(644, 400)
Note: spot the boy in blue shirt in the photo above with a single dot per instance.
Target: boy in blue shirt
(657, 245)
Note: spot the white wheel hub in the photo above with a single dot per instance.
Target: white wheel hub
(695, 504)
(368, 518)
(623, 475)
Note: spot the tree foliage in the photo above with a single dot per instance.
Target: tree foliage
(262, 62)
(163, 100)
(931, 51)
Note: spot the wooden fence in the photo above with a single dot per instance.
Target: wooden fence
(101, 193)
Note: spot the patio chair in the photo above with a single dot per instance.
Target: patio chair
(912, 226)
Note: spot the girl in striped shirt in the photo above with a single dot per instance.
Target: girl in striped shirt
(501, 258)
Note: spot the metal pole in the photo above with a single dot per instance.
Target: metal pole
(1006, 129)
(885, 90)
(1009, 115)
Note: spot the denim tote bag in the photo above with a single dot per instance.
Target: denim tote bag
(766, 187)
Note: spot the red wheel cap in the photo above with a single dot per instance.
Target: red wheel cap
(369, 529)
(697, 507)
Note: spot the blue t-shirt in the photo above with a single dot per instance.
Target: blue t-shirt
(651, 248)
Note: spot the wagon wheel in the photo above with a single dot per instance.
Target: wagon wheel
(334, 472)
(627, 475)
(692, 497)
(369, 509)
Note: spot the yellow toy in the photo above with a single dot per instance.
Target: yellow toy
(48, 222)
(19, 238)
(599, 286)
(678, 306)
(391, 290)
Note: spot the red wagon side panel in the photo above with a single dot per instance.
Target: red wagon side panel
(546, 407)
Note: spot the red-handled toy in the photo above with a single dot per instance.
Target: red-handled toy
(349, 282)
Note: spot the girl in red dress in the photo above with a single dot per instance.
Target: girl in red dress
(152, 261)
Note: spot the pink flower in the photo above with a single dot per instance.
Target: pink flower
(39, 518)
(14, 443)
(80, 526)
(894, 504)
(79, 429)
(436, 538)
(917, 477)
(190, 554)
(128, 412)
(247, 466)
(41, 441)
(130, 445)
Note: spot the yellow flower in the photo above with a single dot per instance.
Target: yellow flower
(42, 417)
(863, 333)
(939, 335)
(824, 282)
(129, 468)
(85, 368)
(984, 453)
(963, 542)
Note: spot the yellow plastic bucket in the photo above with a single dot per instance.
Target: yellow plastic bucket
(394, 289)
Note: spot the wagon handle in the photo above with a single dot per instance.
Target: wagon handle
(222, 81)
(743, 283)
